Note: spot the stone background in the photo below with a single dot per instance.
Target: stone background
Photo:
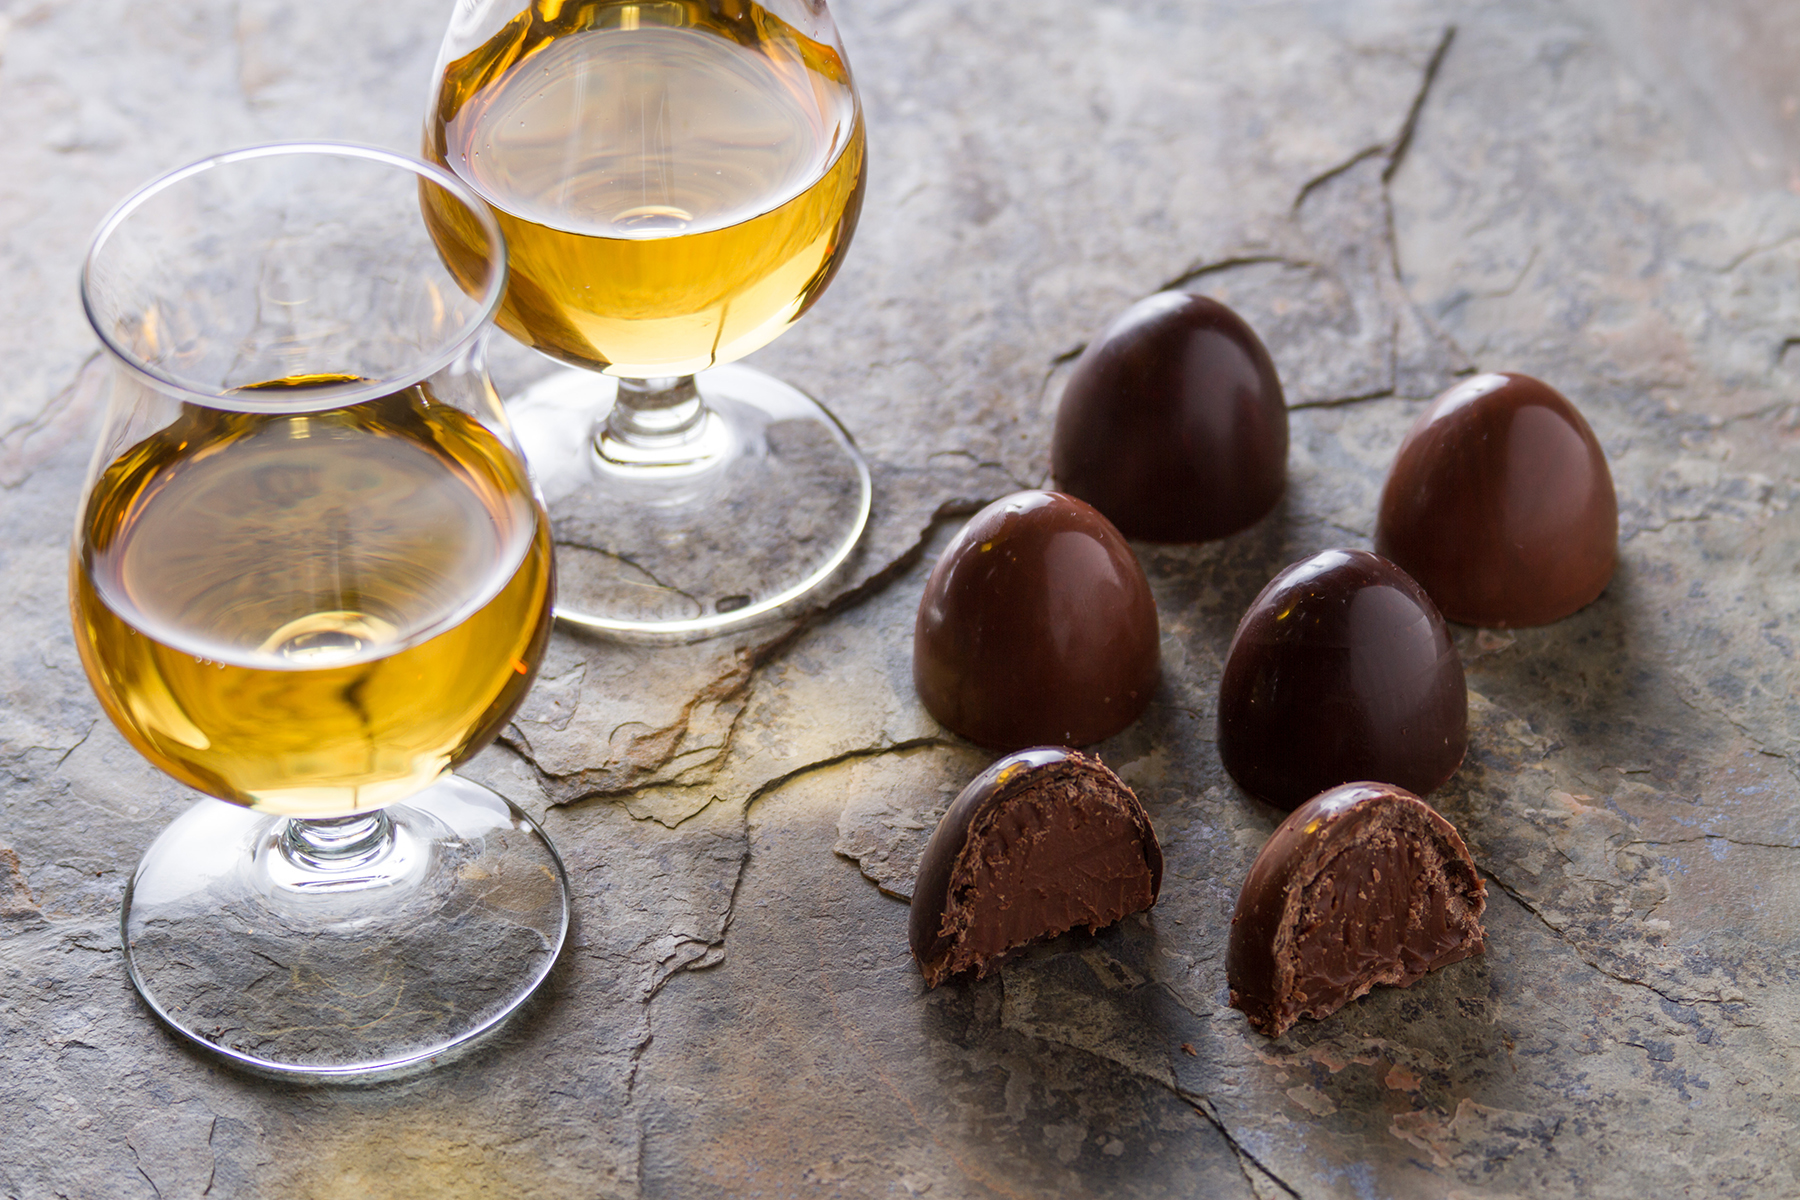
(1603, 193)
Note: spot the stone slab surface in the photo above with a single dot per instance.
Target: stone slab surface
(1602, 193)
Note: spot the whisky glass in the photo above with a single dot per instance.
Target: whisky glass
(309, 577)
(678, 181)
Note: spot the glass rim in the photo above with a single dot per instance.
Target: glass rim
(318, 399)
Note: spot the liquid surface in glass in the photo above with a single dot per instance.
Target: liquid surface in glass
(675, 186)
(313, 613)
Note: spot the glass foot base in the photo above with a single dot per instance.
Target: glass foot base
(386, 962)
(761, 508)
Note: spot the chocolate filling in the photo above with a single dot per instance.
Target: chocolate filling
(1362, 885)
(1042, 842)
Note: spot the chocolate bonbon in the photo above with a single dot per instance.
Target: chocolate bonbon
(1341, 670)
(1173, 423)
(1042, 842)
(1362, 885)
(1036, 627)
(1499, 502)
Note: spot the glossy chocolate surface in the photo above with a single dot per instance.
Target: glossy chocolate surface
(1341, 670)
(1500, 504)
(1173, 423)
(1042, 842)
(1362, 885)
(1036, 627)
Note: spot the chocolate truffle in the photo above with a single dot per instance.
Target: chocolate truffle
(1040, 842)
(1173, 424)
(1036, 627)
(1341, 670)
(1362, 885)
(1500, 504)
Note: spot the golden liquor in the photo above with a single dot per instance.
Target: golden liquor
(675, 185)
(313, 613)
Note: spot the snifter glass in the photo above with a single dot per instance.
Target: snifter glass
(309, 577)
(678, 181)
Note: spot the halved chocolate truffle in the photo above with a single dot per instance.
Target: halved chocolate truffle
(1042, 841)
(1173, 423)
(1501, 505)
(1341, 670)
(1361, 885)
(1036, 627)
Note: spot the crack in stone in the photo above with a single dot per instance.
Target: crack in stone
(87, 733)
(634, 565)
(1463, 297)
(1330, 173)
(641, 1140)
(736, 884)
(980, 464)
(1386, 393)
(1226, 264)
(871, 586)
(1744, 256)
(750, 660)
(704, 961)
(857, 755)
(712, 953)
(715, 951)
(1722, 715)
(70, 944)
(1427, 351)
(1341, 217)
(1247, 1162)
(1562, 936)
(1175, 997)
(1397, 156)
(1666, 524)
(1403, 143)
(1401, 146)
(661, 742)
(60, 405)
(1204, 1107)
(1711, 837)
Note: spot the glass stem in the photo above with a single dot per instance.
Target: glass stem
(661, 425)
(656, 414)
(330, 844)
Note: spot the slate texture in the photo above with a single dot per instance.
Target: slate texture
(1394, 192)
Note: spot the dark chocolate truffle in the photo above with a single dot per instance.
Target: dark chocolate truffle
(1362, 885)
(1342, 669)
(1036, 627)
(1040, 842)
(1173, 423)
(1500, 504)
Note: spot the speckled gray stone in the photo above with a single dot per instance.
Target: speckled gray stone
(1394, 192)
